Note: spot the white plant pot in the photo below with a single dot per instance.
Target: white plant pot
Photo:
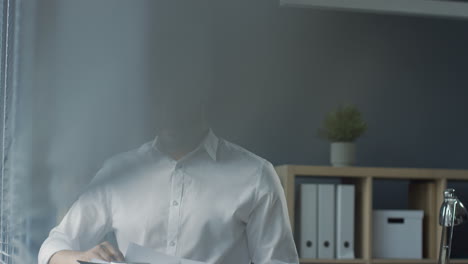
(342, 154)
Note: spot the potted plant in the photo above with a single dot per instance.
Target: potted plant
(342, 127)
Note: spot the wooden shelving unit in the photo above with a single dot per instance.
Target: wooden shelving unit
(333, 261)
(425, 193)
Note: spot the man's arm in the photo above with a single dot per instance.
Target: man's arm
(269, 235)
(104, 251)
(82, 228)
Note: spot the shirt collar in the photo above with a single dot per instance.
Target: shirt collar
(209, 144)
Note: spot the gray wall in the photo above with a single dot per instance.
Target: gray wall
(287, 67)
(277, 71)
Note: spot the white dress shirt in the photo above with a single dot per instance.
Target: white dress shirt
(219, 204)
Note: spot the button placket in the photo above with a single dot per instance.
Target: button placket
(174, 211)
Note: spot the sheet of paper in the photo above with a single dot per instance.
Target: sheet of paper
(137, 253)
(188, 261)
(93, 261)
(98, 261)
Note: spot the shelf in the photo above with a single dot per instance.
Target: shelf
(424, 193)
(333, 261)
(413, 7)
(404, 261)
(389, 173)
(378, 261)
(459, 261)
(416, 261)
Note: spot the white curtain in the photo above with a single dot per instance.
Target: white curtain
(81, 82)
(16, 72)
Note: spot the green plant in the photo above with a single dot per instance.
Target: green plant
(343, 125)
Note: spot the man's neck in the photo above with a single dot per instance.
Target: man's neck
(179, 155)
(178, 151)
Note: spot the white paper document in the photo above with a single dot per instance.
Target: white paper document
(98, 261)
(137, 253)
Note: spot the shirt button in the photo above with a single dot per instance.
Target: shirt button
(175, 203)
(172, 244)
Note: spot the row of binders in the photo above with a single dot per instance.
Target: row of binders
(327, 221)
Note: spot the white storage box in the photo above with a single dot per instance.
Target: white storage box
(397, 234)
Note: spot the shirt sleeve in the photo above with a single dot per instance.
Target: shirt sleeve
(84, 225)
(269, 235)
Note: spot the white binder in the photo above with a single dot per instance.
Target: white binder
(308, 221)
(326, 221)
(345, 221)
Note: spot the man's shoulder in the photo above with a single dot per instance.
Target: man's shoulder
(236, 151)
(239, 156)
(133, 156)
(124, 162)
(243, 161)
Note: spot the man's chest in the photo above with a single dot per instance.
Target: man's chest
(179, 201)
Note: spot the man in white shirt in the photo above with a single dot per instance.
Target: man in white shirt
(187, 193)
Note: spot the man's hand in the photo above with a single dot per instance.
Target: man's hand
(104, 251)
